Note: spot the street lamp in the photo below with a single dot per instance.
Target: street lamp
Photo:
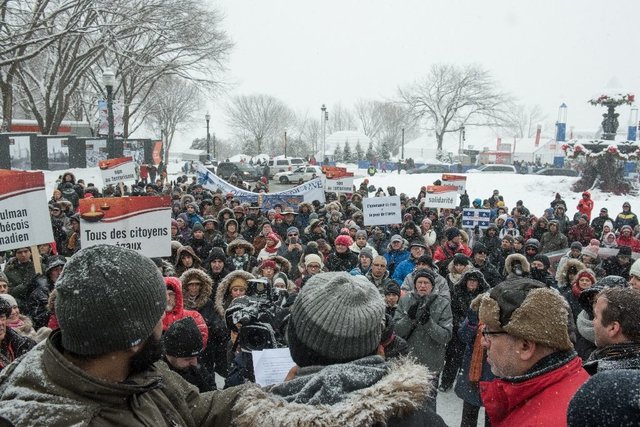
(324, 117)
(285, 143)
(109, 80)
(462, 136)
(207, 117)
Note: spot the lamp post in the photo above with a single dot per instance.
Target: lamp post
(324, 117)
(285, 143)
(109, 80)
(462, 136)
(402, 154)
(207, 117)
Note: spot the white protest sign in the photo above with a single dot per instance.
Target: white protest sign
(24, 213)
(458, 181)
(441, 196)
(272, 365)
(340, 185)
(118, 170)
(381, 210)
(139, 223)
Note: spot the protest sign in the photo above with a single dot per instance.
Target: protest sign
(459, 181)
(342, 185)
(381, 210)
(118, 170)
(271, 365)
(24, 215)
(138, 223)
(441, 196)
(473, 217)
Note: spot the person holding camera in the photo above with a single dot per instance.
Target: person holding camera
(425, 320)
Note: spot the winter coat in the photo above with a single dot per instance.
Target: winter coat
(38, 302)
(20, 277)
(552, 242)
(538, 398)
(586, 336)
(628, 218)
(394, 258)
(490, 273)
(293, 257)
(614, 356)
(444, 253)
(356, 249)
(365, 392)
(154, 397)
(509, 263)
(614, 268)
(342, 262)
(269, 253)
(381, 283)
(631, 241)
(223, 293)
(13, 345)
(464, 388)
(461, 297)
(598, 225)
(573, 302)
(585, 206)
(403, 269)
(426, 342)
(581, 233)
(200, 247)
(178, 312)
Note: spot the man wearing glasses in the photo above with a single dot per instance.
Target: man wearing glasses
(527, 343)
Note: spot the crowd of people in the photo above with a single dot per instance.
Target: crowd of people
(518, 317)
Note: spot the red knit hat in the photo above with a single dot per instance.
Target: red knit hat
(268, 263)
(585, 273)
(344, 241)
(274, 237)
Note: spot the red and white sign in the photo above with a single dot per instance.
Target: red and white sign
(24, 213)
(459, 181)
(139, 223)
(118, 170)
(441, 196)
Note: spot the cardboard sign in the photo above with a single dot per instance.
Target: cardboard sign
(118, 170)
(24, 213)
(473, 217)
(441, 196)
(342, 185)
(458, 181)
(139, 223)
(381, 210)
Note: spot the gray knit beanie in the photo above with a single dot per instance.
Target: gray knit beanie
(335, 318)
(108, 299)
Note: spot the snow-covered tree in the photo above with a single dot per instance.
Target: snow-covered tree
(359, 152)
(338, 153)
(371, 155)
(347, 156)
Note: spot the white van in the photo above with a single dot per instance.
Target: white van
(494, 168)
(283, 164)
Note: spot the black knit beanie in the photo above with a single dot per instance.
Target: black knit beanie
(108, 299)
(183, 338)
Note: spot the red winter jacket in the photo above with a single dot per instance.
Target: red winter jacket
(540, 401)
(445, 252)
(632, 242)
(585, 206)
(179, 312)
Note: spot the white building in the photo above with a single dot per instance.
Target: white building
(340, 138)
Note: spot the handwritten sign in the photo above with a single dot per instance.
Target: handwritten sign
(118, 170)
(342, 185)
(24, 216)
(458, 181)
(138, 223)
(381, 210)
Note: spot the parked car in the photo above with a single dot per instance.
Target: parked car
(287, 164)
(300, 175)
(557, 172)
(434, 168)
(243, 170)
(494, 168)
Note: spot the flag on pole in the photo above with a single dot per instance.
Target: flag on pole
(473, 217)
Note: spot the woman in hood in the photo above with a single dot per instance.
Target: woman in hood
(186, 258)
(240, 254)
(175, 308)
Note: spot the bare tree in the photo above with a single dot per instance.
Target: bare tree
(450, 97)
(383, 123)
(170, 107)
(258, 119)
(520, 121)
(341, 118)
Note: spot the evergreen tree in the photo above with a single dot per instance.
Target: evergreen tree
(337, 154)
(385, 151)
(370, 153)
(347, 156)
(359, 152)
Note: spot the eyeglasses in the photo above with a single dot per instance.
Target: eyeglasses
(194, 283)
(379, 265)
(488, 334)
(313, 266)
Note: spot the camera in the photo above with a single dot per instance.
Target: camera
(260, 288)
(259, 322)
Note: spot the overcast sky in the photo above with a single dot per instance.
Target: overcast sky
(544, 52)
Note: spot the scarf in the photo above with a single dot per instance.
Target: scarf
(477, 357)
(240, 261)
(617, 351)
(271, 249)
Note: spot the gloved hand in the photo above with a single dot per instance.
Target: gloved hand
(413, 311)
(425, 315)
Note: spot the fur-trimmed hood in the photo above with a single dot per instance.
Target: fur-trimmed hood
(508, 263)
(240, 243)
(221, 214)
(185, 200)
(196, 259)
(223, 297)
(205, 289)
(571, 263)
(308, 205)
(401, 391)
(283, 264)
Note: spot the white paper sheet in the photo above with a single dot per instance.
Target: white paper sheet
(271, 366)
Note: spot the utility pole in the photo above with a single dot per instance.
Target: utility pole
(402, 154)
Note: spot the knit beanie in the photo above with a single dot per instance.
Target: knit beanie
(367, 252)
(424, 273)
(452, 233)
(274, 237)
(460, 259)
(527, 309)
(335, 318)
(543, 259)
(216, 254)
(5, 307)
(108, 299)
(591, 251)
(361, 233)
(313, 258)
(267, 263)
(8, 298)
(479, 247)
(588, 273)
(624, 251)
(576, 246)
(183, 338)
(392, 288)
(292, 230)
(344, 241)
(607, 399)
(197, 227)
